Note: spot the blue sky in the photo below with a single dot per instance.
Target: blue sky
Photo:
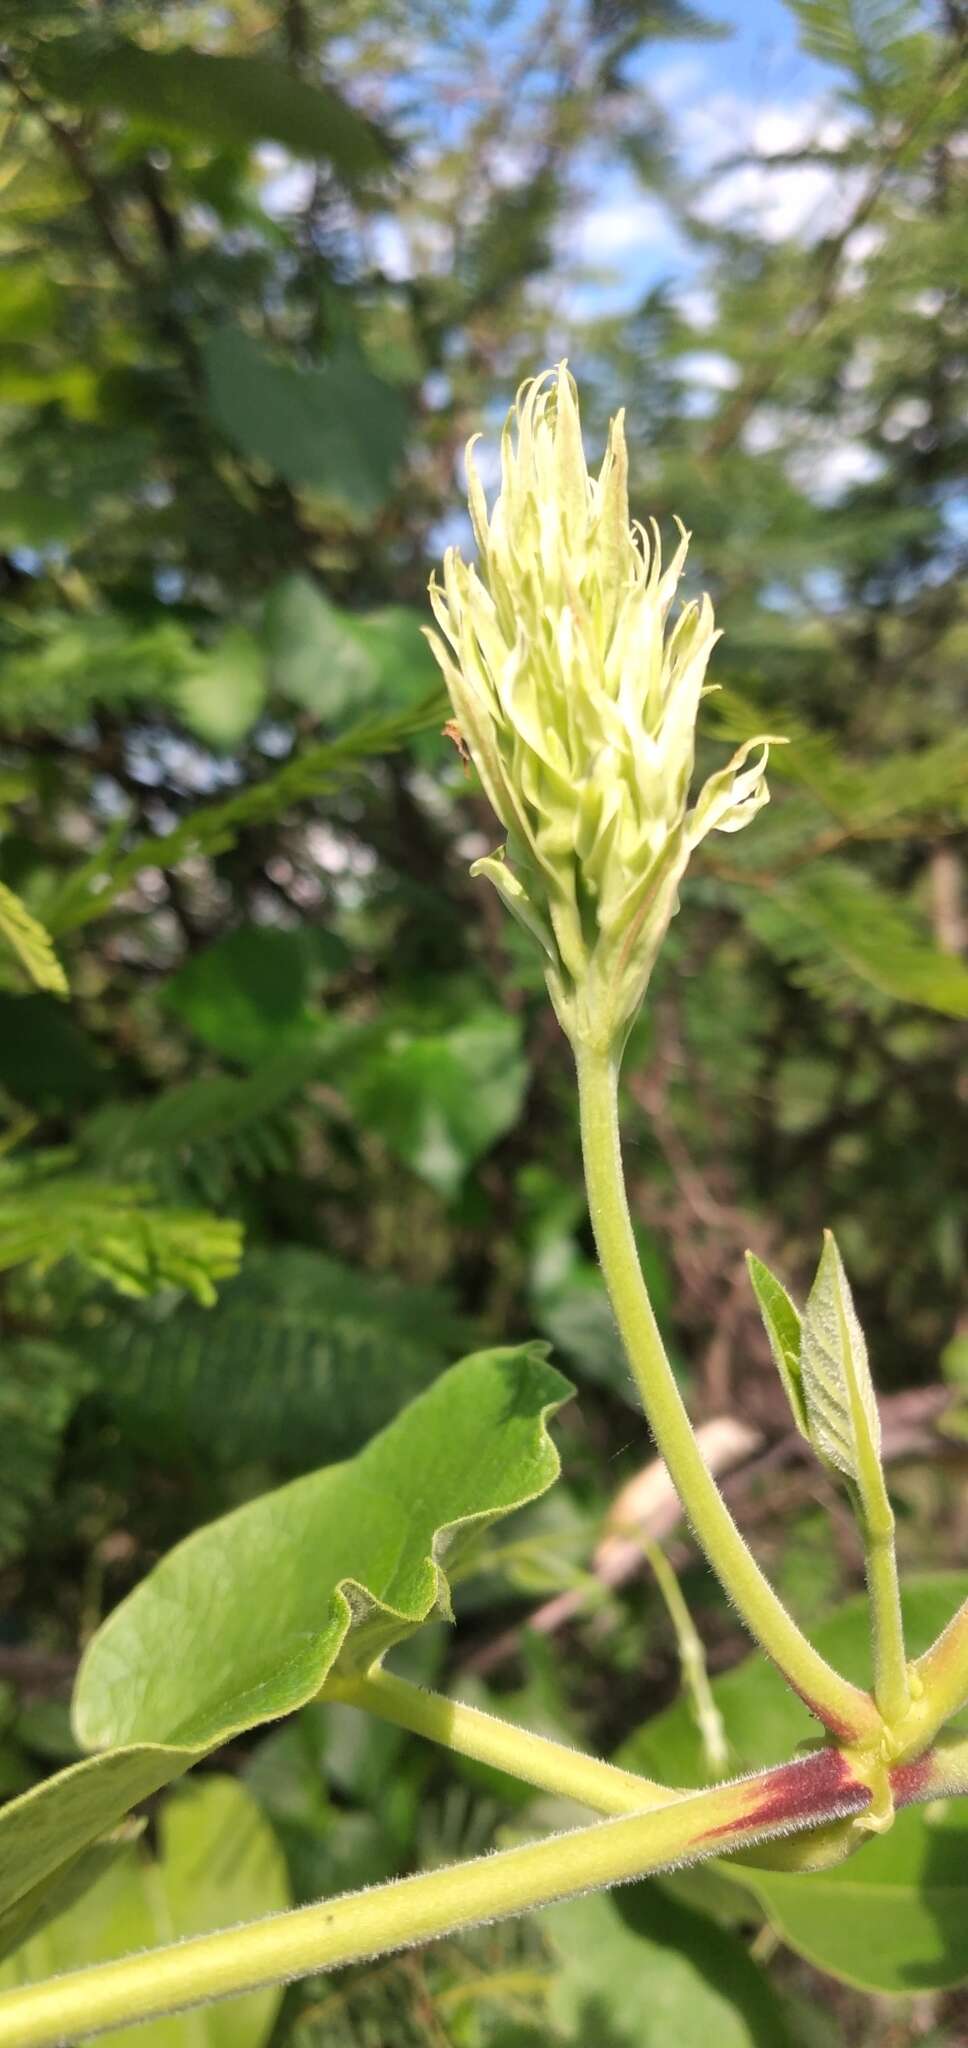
(754, 89)
(761, 52)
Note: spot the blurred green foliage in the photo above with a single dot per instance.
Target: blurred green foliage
(264, 269)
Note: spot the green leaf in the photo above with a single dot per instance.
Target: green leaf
(895, 1917)
(299, 1361)
(119, 1233)
(32, 944)
(578, 1318)
(243, 1622)
(46, 1901)
(781, 1321)
(441, 1100)
(64, 483)
(61, 663)
(45, 1061)
(212, 1132)
(336, 427)
(313, 659)
(222, 696)
(45, 1831)
(842, 936)
(841, 1409)
(866, 797)
(227, 100)
(335, 662)
(244, 1614)
(246, 994)
(639, 1970)
(218, 1864)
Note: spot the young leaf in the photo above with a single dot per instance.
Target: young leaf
(242, 1623)
(28, 939)
(842, 1419)
(781, 1320)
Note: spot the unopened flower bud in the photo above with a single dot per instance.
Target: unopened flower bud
(577, 699)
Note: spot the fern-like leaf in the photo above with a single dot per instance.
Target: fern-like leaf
(298, 1363)
(868, 798)
(39, 1386)
(32, 944)
(843, 938)
(120, 1234)
(208, 1134)
(214, 827)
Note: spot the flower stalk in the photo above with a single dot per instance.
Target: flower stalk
(849, 1713)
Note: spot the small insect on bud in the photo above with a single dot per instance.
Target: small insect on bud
(577, 699)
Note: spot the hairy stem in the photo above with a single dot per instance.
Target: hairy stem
(535, 1758)
(849, 1713)
(811, 1790)
(692, 1662)
(942, 1678)
(891, 1684)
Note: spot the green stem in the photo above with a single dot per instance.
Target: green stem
(941, 1685)
(415, 1909)
(692, 1663)
(535, 1758)
(892, 1689)
(849, 1713)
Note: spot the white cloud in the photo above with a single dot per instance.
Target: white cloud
(705, 366)
(824, 462)
(828, 467)
(715, 128)
(705, 373)
(624, 226)
(697, 304)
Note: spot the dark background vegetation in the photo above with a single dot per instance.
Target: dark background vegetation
(265, 268)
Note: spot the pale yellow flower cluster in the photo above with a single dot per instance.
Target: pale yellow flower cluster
(577, 700)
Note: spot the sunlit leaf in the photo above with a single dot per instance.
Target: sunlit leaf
(243, 1622)
(217, 1863)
